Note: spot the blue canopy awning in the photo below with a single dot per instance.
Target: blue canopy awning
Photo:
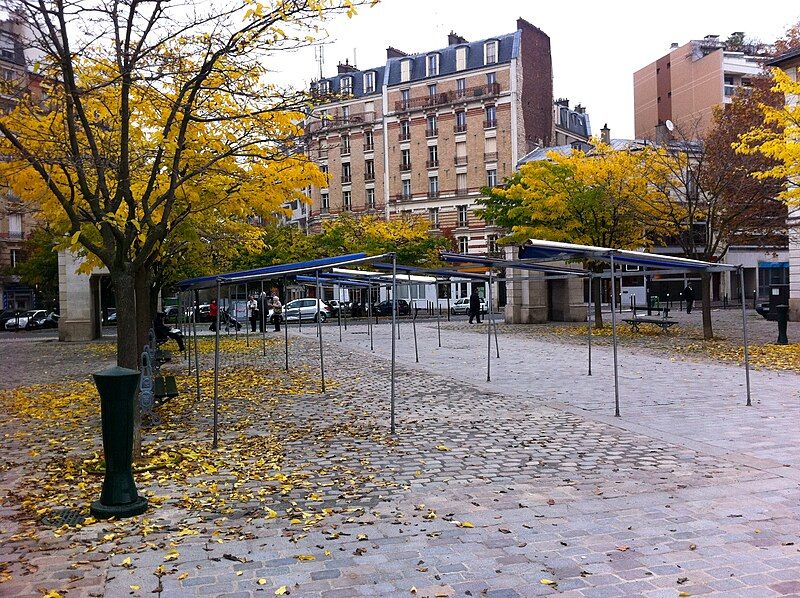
(276, 271)
(536, 249)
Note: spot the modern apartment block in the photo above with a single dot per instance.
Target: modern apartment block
(16, 221)
(423, 133)
(686, 84)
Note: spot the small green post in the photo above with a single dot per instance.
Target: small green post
(119, 498)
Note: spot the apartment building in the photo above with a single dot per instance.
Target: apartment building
(423, 133)
(686, 84)
(16, 220)
(571, 126)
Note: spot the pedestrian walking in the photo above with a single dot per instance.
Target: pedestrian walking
(213, 310)
(475, 306)
(688, 295)
(252, 308)
(277, 311)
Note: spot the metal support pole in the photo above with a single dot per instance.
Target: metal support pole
(744, 336)
(345, 314)
(216, 369)
(319, 333)
(369, 317)
(262, 308)
(285, 324)
(235, 318)
(492, 322)
(196, 348)
(589, 320)
(614, 339)
(248, 316)
(438, 318)
(488, 332)
(414, 328)
(340, 313)
(394, 324)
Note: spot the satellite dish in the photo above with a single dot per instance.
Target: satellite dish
(670, 126)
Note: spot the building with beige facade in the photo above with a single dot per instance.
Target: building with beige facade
(686, 84)
(16, 218)
(790, 62)
(423, 133)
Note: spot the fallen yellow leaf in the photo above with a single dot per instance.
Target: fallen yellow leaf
(466, 524)
(306, 557)
(442, 448)
(262, 581)
(172, 555)
(126, 562)
(281, 591)
(547, 582)
(134, 588)
(183, 576)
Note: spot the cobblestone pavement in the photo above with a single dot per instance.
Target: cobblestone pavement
(526, 486)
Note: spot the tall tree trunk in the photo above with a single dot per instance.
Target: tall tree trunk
(597, 292)
(705, 293)
(125, 293)
(144, 319)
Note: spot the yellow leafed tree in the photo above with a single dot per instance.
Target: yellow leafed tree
(157, 128)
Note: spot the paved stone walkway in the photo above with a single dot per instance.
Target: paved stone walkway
(525, 486)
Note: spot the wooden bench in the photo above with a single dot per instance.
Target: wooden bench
(662, 322)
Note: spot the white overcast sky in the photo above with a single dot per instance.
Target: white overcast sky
(596, 46)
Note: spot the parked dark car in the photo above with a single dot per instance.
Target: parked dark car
(41, 321)
(336, 305)
(384, 308)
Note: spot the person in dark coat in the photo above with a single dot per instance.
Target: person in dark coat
(475, 306)
(688, 295)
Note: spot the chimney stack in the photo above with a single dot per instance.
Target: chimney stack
(605, 134)
(454, 39)
(673, 45)
(345, 68)
(392, 52)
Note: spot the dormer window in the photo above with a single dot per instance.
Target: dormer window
(322, 87)
(369, 82)
(347, 85)
(405, 70)
(461, 58)
(431, 65)
(490, 52)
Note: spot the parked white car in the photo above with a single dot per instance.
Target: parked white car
(306, 309)
(461, 306)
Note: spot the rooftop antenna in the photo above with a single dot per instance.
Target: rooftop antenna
(354, 59)
(319, 56)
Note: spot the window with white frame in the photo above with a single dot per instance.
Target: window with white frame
(346, 85)
(433, 186)
(405, 96)
(405, 159)
(490, 52)
(433, 156)
(461, 87)
(369, 141)
(369, 170)
(433, 215)
(432, 90)
(325, 201)
(405, 70)
(347, 202)
(345, 113)
(462, 215)
(369, 82)
(345, 147)
(461, 58)
(491, 177)
(491, 78)
(14, 257)
(406, 187)
(323, 87)
(346, 172)
(371, 199)
(463, 245)
(15, 226)
(461, 184)
(431, 65)
(491, 244)
(369, 111)
(411, 291)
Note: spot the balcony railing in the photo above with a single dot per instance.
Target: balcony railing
(405, 167)
(431, 132)
(448, 97)
(460, 160)
(369, 176)
(490, 156)
(404, 136)
(433, 194)
(346, 178)
(344, 151)
(13, 235)
(432, 163)
(369, 147)
(402, 197)
(338, 122)
(490, 124)
(460, 128)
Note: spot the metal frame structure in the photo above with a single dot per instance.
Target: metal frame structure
(536, 255)
(314, 267)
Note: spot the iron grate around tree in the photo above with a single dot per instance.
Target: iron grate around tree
(61, 517)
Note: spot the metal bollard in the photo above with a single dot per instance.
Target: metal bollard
(119, 498)
(783, 319)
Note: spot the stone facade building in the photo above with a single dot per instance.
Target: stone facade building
(423, 133)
